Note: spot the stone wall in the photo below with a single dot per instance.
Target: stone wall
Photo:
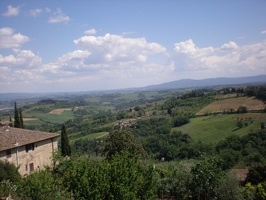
(34, 159)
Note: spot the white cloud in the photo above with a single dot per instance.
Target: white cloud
(23, 59)
(109, 60)
(36, 12)
(11, 11)
(58, 17)
(19, 69)
(116, 48)
(227, 60)
(90, 32)
(229, 46)
(10, 40)
(263, 32)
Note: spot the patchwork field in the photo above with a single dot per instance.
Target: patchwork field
(232, 103)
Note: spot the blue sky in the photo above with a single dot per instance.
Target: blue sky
(59, 46)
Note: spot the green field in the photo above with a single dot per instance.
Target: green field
(211, 129)
(90, 136)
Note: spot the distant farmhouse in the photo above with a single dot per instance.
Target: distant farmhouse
(29, 150)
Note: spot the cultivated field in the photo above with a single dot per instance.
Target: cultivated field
(211, 129)
(59, 111)
(232, 103)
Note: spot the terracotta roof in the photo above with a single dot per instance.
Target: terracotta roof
(14, 137)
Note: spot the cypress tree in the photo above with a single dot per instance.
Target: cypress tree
(65, 147)
(10, 120)
(21, 119)
(16, 117)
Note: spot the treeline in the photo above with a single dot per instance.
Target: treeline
(124, 173)
(258, 91)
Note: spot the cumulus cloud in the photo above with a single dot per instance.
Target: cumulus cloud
(229, 46)
(11, 11)
(23, 59)
(116, 48)
(110, 60)
(10, 40)
(19, 69)
(228, 60)
(58, 17)
(90, 32)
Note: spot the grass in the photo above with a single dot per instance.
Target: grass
(55, 118)
(211, 129)
(90, 136)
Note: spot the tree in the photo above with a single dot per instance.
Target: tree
(122, 177)
(207, 176)
(38, 185)
(65, 146)
(10, 120)
(262, 125)
(242, 109)
(16, 117)
(21, 119)
(169, 111)
(9, 171)
(239, 124)
(121, 141)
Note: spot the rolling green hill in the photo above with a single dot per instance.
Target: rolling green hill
(211, 129)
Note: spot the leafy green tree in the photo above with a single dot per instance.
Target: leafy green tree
(242, 109)
(256, 174)
(207, 175)
(38, 186)
(180, 120)
(169, 111)
(16, 117)
(9, 171)
(120, 141)
(7, 188)
(122, 177)
(65, 146)
(229, 188)
(239, 124)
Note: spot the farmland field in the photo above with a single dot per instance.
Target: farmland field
(232, 103)
(211, 129)
(59, 111)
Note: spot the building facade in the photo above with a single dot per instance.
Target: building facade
(29, 150)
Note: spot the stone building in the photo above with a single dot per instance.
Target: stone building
(29, 150)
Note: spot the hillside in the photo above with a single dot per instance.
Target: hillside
(232, 104)
(212, 129)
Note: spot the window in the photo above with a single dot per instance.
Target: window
(31, 167)
(26, 167)
(30, 147)
(8, 153)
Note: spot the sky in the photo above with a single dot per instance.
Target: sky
(84, 45)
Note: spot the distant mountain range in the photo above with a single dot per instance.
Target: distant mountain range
(184, 83)
(190, 83)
